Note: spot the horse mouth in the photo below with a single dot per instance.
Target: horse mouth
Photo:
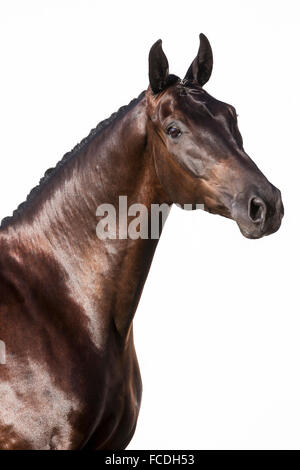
(256, 233)
(250, 235)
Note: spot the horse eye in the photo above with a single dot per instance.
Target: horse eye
(173, 132)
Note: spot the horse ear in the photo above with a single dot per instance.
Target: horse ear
(158, 67)
(201, 67)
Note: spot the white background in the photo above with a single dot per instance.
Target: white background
(218, 328)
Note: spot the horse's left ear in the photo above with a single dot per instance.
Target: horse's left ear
(158, 68)
(201, 67)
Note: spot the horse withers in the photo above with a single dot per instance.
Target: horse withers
(70, 378)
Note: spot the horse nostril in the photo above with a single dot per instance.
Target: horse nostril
(257, 210)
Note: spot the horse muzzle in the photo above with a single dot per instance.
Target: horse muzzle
(259, 215)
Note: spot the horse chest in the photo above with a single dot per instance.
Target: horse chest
(120, 406)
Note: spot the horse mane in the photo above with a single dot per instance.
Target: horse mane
(68, 156)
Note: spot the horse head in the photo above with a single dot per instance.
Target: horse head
(198, 149)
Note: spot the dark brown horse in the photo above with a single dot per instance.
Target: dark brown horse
(67, 298)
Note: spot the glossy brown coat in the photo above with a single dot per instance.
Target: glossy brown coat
(67, 299)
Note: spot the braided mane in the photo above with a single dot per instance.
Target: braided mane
(51, 172)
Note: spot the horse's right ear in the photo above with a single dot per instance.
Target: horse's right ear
(158, 68)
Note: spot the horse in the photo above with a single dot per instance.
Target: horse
(71, 378)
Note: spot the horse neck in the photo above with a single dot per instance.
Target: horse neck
(62, 220)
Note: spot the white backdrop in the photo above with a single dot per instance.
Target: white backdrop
(218, 328)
